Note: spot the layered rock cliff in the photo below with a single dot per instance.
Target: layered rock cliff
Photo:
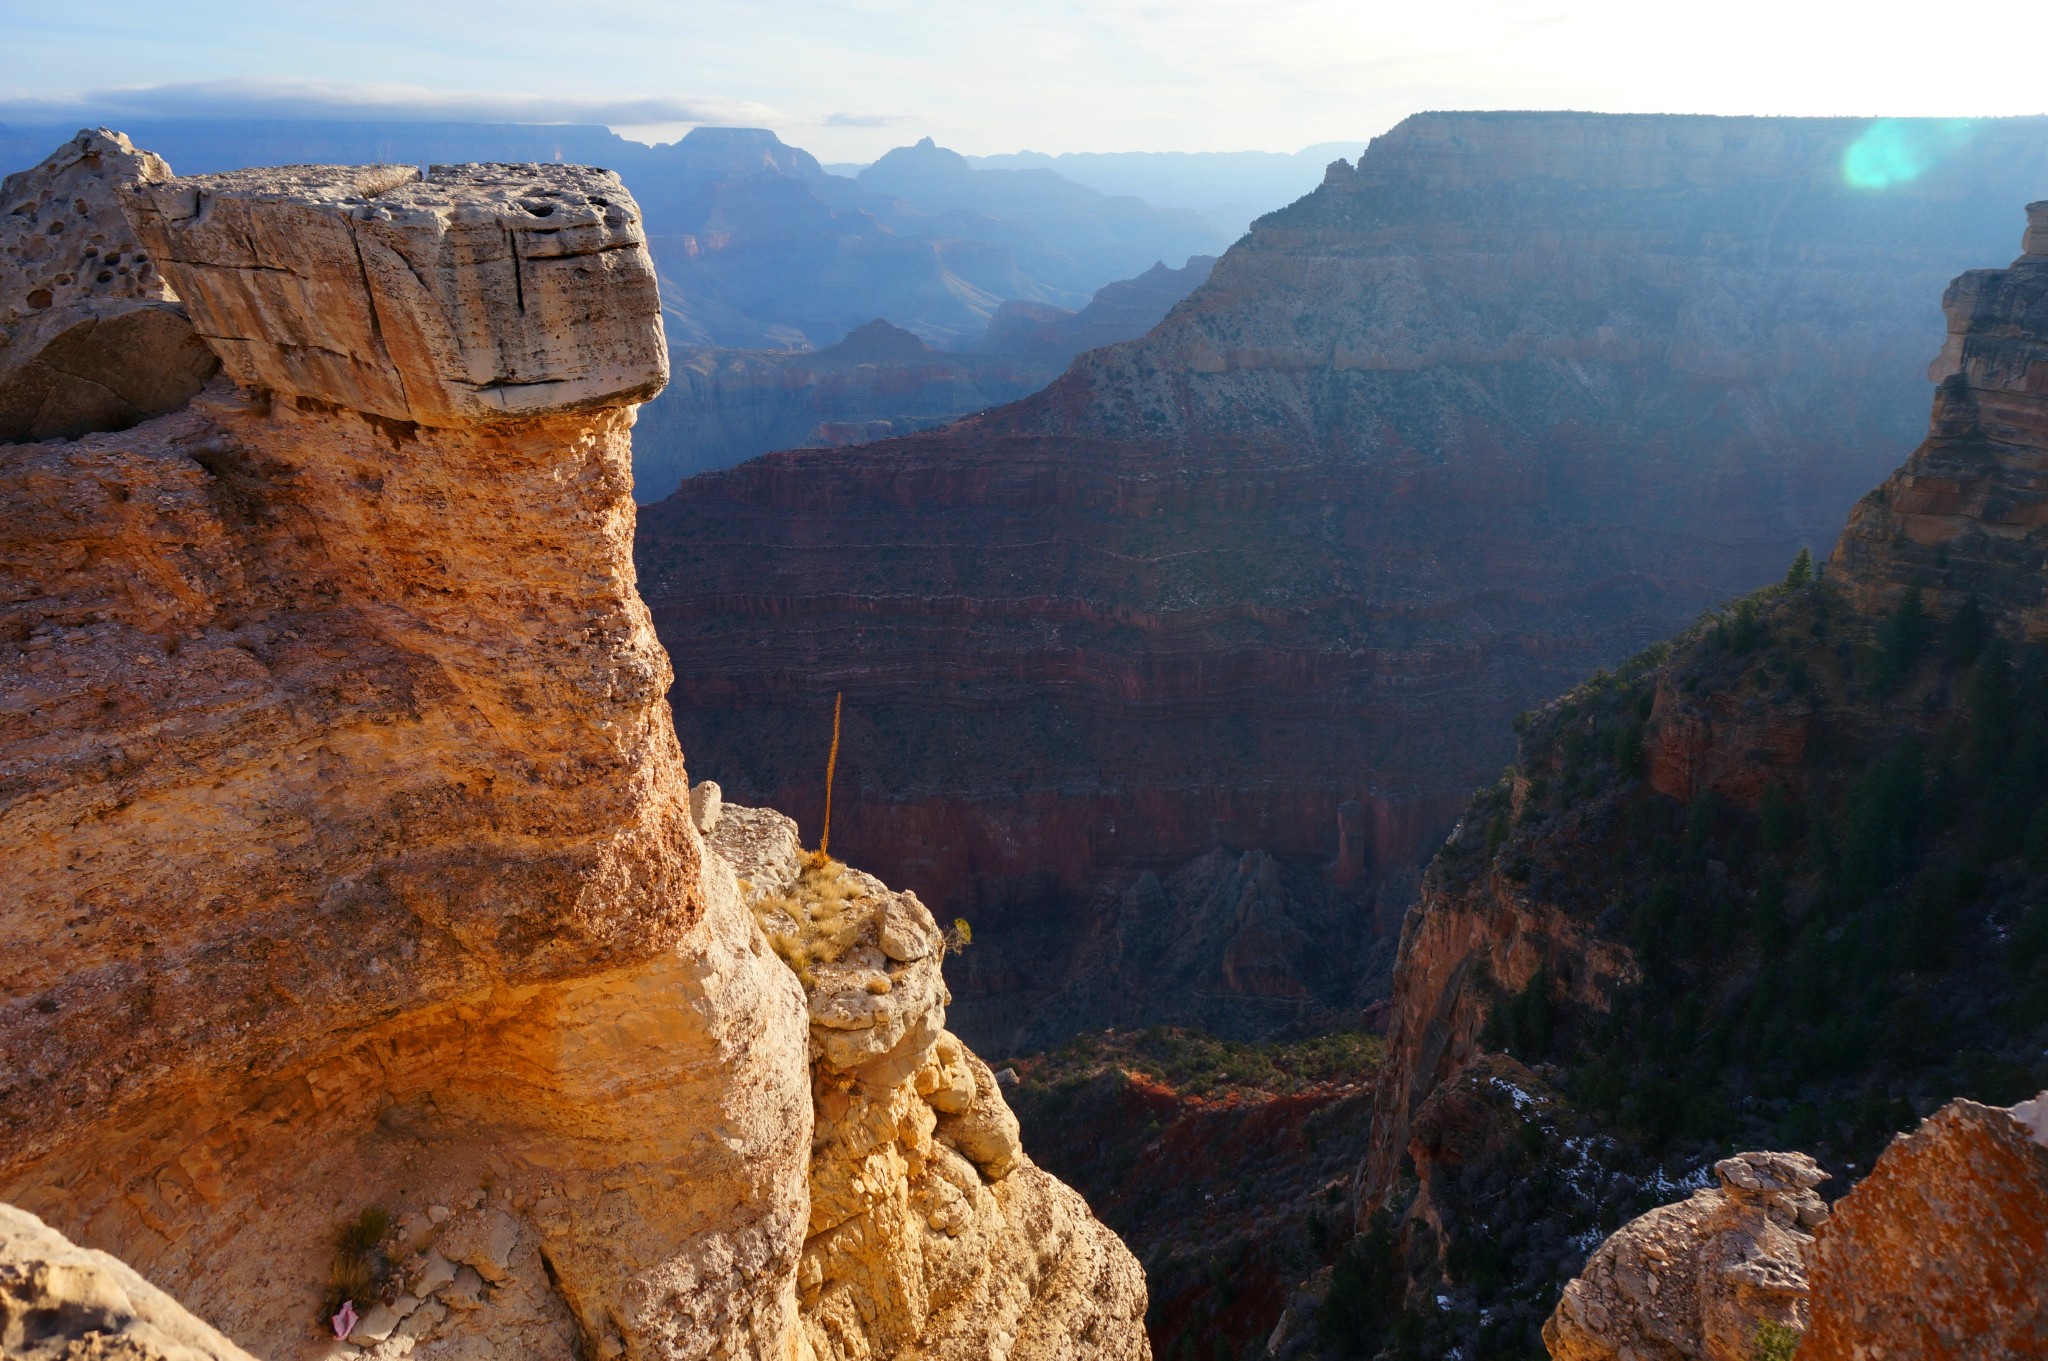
(726, 406)
(1966, 518)
(1514, 395)
(359, 943)
(1777, 883)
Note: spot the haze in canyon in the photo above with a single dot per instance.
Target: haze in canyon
(677, 685)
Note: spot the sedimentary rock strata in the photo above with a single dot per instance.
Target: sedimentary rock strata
(1967, 515)
(469, 293)
(1486, 411)
(359, 943)
(91, 335)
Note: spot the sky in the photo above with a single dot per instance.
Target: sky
(847, 79)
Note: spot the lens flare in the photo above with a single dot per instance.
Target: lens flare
(1899, 150)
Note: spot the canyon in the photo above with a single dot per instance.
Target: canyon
(724, 406)
(371, 965)
(378, 980)
(1775, 883)
(1510, 397)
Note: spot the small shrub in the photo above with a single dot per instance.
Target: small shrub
(1774, 1342)
(358, 1269)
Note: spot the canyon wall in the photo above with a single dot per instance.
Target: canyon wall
(1775, 883)
(351, 867)
(1966, 518)
(1511, 397)
(726, 406)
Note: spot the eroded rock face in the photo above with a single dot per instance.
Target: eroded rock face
(351, 866)
(61, 1302)
(1967, 515)
(349, 858)
(1485, 412)
(930, 1230)
(91, 335)
(1699, 1278)
(1943, 1249)
(473, 293)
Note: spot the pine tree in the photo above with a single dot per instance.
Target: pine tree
(1801, 573)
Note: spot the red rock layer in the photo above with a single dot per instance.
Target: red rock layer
(1515, 396)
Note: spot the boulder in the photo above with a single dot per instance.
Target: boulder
(91, 336)
(1703, 1277)
(58, 1300)
(1942, 1250)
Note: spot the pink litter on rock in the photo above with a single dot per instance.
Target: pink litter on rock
(345, 1319)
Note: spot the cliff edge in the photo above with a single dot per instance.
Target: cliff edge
(360, 946)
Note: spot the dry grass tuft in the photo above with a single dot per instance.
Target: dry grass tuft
(358, 1269)
(818, 919)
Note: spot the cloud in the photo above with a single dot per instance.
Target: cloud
(863, 120)
(266, 98)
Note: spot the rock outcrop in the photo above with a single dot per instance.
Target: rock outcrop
(1966, 517)
(358, 942)
(91, 335)
(1702, 1278)
(1486, 411)
(1940, 1251)
(1943, 1249)
(472, 294)
(61, 1302)
(929, 1227)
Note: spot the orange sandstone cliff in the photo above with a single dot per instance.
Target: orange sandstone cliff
(349, 859)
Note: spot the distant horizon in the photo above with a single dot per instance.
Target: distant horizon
(849, 79)
(630, 133)
(637, 134)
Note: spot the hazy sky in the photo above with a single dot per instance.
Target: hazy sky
(850, 78)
